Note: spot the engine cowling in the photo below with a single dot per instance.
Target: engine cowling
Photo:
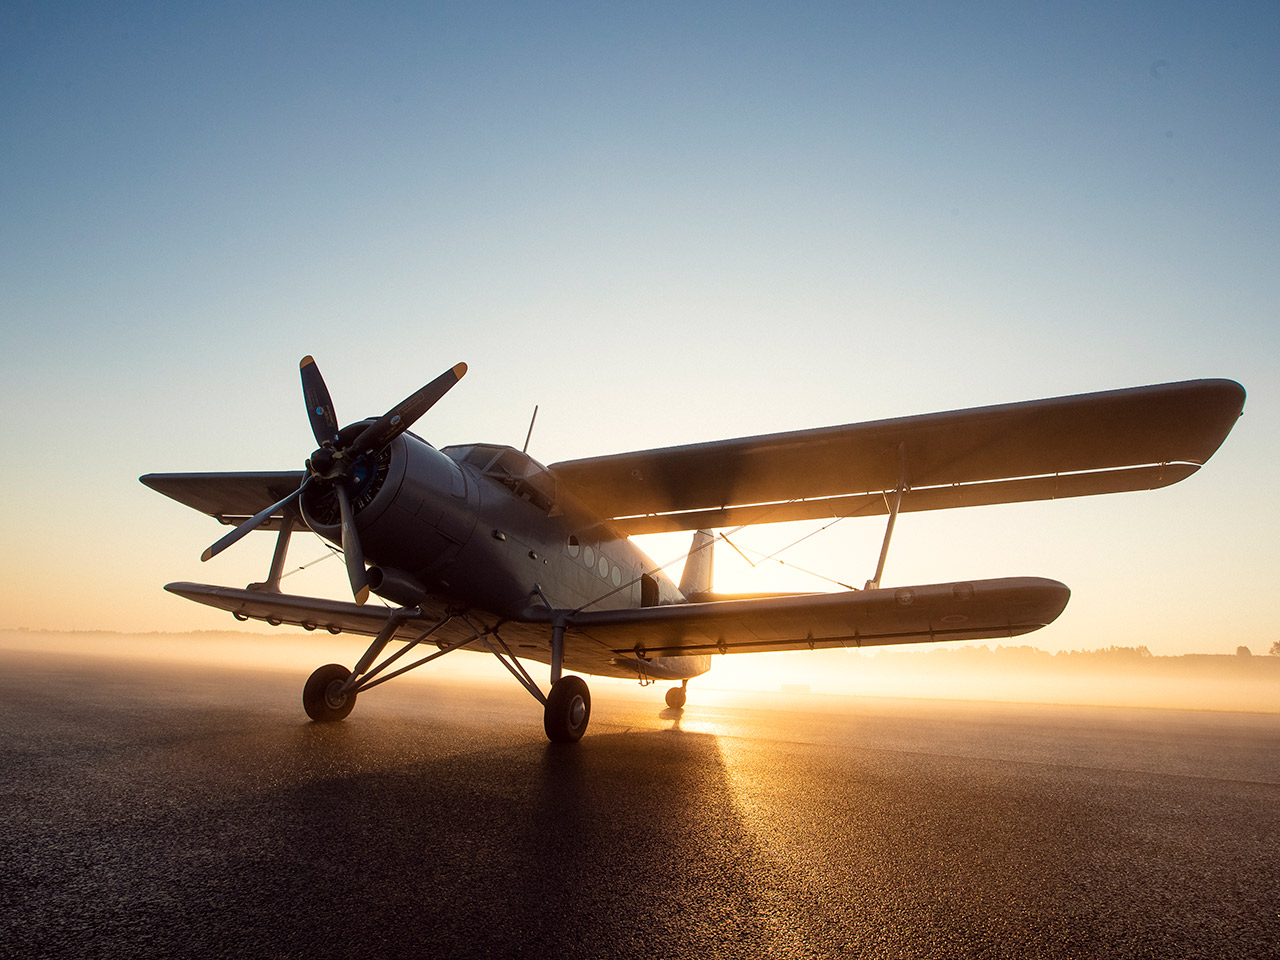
(414, 510)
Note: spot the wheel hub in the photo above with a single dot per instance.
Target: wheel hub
(334, 695)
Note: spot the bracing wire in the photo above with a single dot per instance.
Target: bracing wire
(725, 537)
(311, 563)
(333, 552)
(683, 556)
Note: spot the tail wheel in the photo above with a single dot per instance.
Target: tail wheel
(568, 710)
(676, 697)
(321, 697)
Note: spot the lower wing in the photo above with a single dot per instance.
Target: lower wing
(610, 643)
(972, 610)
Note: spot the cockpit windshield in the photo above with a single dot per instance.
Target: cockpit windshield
(517, 471)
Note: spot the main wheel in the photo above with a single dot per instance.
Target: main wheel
(320, 697)
(675, 698)
(568, 710)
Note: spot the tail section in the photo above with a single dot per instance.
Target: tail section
(696, 579)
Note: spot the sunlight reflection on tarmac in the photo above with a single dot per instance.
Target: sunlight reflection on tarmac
(167, 811)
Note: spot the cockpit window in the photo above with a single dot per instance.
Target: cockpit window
(518, 472)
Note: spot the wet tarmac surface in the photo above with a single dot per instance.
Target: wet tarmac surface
(179, 811)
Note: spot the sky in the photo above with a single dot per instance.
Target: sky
(662, 223)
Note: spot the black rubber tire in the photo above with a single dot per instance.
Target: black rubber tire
(676, 698)
(317, 696)
(568, 710)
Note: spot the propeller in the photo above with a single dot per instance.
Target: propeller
(351, 547)
(403, 415)
(334, 463)
(324, 422)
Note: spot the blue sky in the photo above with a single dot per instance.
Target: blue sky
(662, 222)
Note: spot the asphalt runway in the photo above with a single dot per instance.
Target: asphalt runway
(156, 811)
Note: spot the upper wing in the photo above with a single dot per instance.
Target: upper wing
(1135, 439)
(229, 497)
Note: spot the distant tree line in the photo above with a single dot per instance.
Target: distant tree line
(1110, 654)
(1026, 654)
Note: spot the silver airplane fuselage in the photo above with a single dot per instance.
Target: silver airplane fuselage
(486, 526)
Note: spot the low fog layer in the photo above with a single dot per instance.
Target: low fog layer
(1114, 676)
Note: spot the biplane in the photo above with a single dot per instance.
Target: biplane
(479, 546)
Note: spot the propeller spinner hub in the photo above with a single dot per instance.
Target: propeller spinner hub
(324, 464)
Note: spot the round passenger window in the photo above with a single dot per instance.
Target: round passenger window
(604, 567)
(589, 556)
(616, 576)
(575, 548)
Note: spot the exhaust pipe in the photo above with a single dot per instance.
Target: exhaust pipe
(396, 586)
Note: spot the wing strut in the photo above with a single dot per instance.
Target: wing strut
(874, 582)
(272, 583)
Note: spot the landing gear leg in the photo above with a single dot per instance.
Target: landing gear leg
(676, 696)
(568, 704)
(330, 692)
(566, 708)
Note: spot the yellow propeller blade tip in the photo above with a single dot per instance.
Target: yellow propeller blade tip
(459, 369)
(306, 360)
(362, 596)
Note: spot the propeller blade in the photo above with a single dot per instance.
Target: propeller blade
(402, 416)
(324, 421)
(257, 520)
(351, 551)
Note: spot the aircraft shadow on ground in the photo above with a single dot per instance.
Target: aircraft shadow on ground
(601, 849)
(329, 843)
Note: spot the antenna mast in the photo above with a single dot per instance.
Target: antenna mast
(529, 435)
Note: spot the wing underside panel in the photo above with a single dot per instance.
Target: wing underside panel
(230, 497)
